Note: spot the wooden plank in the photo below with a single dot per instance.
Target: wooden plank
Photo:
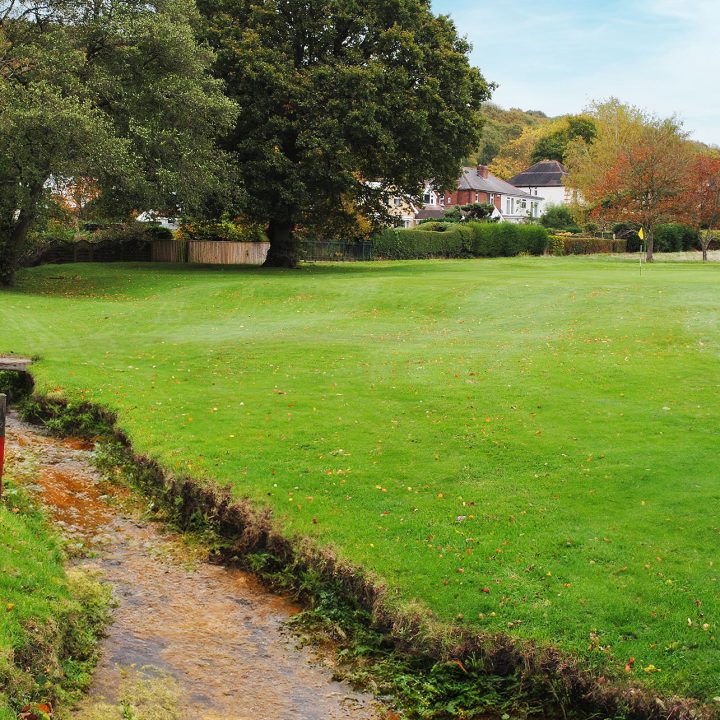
(14, 363)
(210, 252)
(167, 251)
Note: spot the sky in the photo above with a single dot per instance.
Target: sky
(559, 55)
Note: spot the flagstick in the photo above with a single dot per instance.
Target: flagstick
(642, 249)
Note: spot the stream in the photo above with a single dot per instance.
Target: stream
(211, 632)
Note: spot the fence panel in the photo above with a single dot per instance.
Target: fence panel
(209, 252)
(171, 251)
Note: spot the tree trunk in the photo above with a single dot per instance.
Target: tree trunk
(283, 250)
(650, 244)
(8, 261)
(11, 247)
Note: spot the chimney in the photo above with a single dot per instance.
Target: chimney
(482, 171)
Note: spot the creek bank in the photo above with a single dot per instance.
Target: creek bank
(433, 669)
(212, 631)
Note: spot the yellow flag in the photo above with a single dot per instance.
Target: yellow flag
(641, 234)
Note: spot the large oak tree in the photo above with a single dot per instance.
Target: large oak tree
(341, 101)
(114, 90)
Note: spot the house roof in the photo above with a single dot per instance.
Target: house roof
(430, 212)
(546, 173)
(470, 179)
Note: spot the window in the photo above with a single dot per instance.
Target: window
(397, 201)
(428, 198)
(477, 197)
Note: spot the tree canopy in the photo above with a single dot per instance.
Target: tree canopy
(500, 127)
(634, 171)
(700, 199)
(547, 140)
(555, 145)
(116, 91)
(340, 102)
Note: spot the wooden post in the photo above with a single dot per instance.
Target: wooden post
(3, 407)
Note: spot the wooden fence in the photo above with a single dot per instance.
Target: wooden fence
(209, 252)
(168, 251)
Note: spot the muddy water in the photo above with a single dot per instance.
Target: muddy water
(213, 630)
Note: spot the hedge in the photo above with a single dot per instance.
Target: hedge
(401, 244)
(674, 237)
(455, 240)
(570, 245)
(507, 239)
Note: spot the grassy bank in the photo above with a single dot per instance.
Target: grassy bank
(50, 618)
(524, 445)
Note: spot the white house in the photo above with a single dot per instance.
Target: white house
(157, 218)
(546, 180)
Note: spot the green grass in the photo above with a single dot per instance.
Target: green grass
(33, 590)
(565, 407)
(50, 619)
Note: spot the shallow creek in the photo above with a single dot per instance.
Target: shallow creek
(213, 632)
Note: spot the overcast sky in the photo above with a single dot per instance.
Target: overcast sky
(558, 55)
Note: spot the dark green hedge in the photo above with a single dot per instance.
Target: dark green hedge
(507, 239)
(674, 237)
(455, 240)
(569, 245)
(401, 244)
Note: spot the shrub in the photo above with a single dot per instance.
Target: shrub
(480, 239)
(629, 233)
(571, 245)
(507, 239)
(158, 232)
(558, 217)
(401, 244)
(121, 234)
(222, 230)
(438, 225)
(675, 237)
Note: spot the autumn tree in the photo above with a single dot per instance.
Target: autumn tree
(645, 181)
(617, 126)
(114, 91)
(700, 200)
(341, 104)
(548, 140)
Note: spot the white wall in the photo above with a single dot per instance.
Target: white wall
(550, 196)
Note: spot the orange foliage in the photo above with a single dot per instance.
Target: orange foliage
(645, 184)
(701, 195)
